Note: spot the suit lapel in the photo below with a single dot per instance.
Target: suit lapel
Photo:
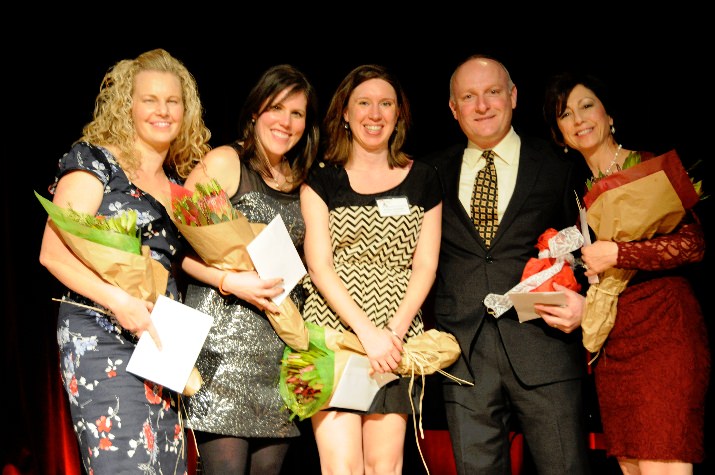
(529, 166)
(450, 170)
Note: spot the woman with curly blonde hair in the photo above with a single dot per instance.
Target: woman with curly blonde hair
(146, 134)
(113, 122)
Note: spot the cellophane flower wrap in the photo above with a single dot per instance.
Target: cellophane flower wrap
(112, 248)
(554, 264)
(219, 234)
(309, 377)
(646, 199)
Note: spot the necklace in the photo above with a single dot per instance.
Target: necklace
(613, 162)
(280, 173)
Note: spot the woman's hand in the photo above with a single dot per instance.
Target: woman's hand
(254, 290)
(134, 315)
(599, 256)
(382, 348)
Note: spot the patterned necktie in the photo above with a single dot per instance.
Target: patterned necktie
(484, 199)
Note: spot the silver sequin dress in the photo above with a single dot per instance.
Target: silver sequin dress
(240, 360)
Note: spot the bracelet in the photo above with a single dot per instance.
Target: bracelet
(394, 333)
(220, 284)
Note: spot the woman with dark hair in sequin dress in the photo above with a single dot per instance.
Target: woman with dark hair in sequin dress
(237, 415)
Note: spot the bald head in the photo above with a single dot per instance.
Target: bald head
(482, 98)
(481, 60)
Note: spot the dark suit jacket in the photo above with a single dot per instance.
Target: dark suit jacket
(543, 198)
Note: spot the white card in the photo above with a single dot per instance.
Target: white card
(357, 388)
(182, 331)
(524, 302)
(274, 255)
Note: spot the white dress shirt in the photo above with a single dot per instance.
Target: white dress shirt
(506, 163)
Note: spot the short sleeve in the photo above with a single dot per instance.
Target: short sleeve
(433, 188)
(319, 179)
(86, 157)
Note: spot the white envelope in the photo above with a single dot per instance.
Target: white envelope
(357, 388)
(524, 302)
(182, 331)
(274, 255)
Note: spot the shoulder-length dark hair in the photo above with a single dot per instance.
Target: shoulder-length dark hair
(559, 88)
(338, 138)
(263, 95)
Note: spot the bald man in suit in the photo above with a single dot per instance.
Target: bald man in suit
(529, 373)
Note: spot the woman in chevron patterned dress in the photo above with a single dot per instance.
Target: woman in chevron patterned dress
(372, 219)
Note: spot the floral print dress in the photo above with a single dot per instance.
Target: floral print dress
(123, 423)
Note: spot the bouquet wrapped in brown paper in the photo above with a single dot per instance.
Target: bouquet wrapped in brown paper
(644, 199)
(117, 256)
(219, 234)
(309, 378)
(423, 354)
(112, 248)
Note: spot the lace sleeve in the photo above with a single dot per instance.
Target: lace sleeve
(685, 245)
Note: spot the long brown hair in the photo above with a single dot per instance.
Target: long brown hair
(263, 95)
(338, 141)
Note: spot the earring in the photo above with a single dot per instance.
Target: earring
(566, 149)
(253, 121)
(613, 130)
(345, 124)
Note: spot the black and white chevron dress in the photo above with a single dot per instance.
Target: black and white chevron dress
(372, 253)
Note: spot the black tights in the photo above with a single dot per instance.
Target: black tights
(220, 454)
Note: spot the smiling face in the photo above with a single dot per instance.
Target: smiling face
(157, 108)
(482, 100)
(282, 124)
(372, 114)
(584, 122)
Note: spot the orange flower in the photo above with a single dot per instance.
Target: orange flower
(209, 204)
(105, 443)
(104, 424)
(73, 386)
(149, 437)
(152, 392)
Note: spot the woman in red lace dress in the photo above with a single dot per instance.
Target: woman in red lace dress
(652, 373)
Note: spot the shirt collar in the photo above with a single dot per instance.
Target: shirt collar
(506, 150)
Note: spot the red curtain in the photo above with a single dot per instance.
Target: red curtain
(61, 450)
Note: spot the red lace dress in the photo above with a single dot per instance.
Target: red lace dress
(652, 377)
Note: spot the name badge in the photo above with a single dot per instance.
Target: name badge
(393, 206)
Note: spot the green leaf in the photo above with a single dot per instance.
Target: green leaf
(86, 227)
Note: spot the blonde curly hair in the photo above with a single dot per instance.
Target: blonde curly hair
(112, 122)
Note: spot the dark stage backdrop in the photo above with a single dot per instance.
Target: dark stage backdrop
(51, 96)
